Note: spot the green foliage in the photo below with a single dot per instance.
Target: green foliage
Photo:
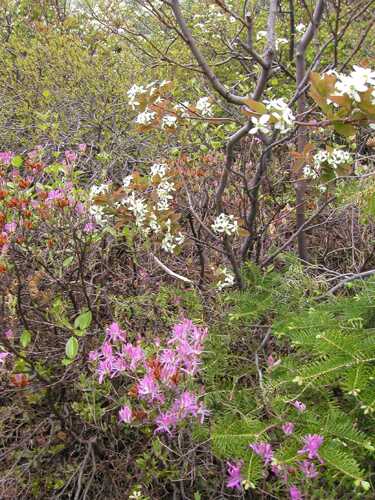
(330, 368)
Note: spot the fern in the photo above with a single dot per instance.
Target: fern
(331, 367)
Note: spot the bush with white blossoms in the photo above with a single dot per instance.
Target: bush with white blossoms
(225, 224)
(150, 207)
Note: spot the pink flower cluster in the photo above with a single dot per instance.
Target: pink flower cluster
(310, 450)
(160, 374)
(6, 157)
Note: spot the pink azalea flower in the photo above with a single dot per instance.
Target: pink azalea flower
(10, 227)
(186, 405)
(264, 450)
(312, 444)
(126, 414)
(234, 475)
(104, 368)
(165, 422)
(89, 227)
(135, 354)
(308, 469)
(294, 493)
(288, 428)
(80, 208)
(6, 157)
(114, 333)
(148, 387)
(93, 355)
(9, 334)
(3, 357)
(70, 156)
(82, 148)
(301, 407)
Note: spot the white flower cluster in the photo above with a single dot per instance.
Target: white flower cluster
(204, 106)
(140, 90)
(358, 81)
(225, 224)
(228, 279)
(146, 117)
(158, 169)
(164, 191)
(279, 115)
(97, 211)
(169, 121)
(138, 206)
(171, 241)
(182, 109)
(145, 217)
(334, 159)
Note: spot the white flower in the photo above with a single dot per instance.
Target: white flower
(179, 238)
(139, 208)
(351, 86)
(164, 191)
(126, 181)
(168, 121)
(228, 279)
(132, 94)
(335, 158)
(96, 190)
(283, 115)
(146, 117)
(320, 157)
(204, 106)
(300, 27)
(309, 172)
(170, 242)
(154, 224)
(183, 109)
(225, 224)
(260, 124)
(366, 74)
(322, 188)
(97, 212)
(261, 34)
(338, 157)
(158, 169)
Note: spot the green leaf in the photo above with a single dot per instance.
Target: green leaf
(17, 161)
(68, 261)
(67, 361)
(71, 348)
(344, 129)
(83, 321)
(25, 338)
(256, 106)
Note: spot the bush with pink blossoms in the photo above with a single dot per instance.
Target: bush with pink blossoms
(158, 377)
